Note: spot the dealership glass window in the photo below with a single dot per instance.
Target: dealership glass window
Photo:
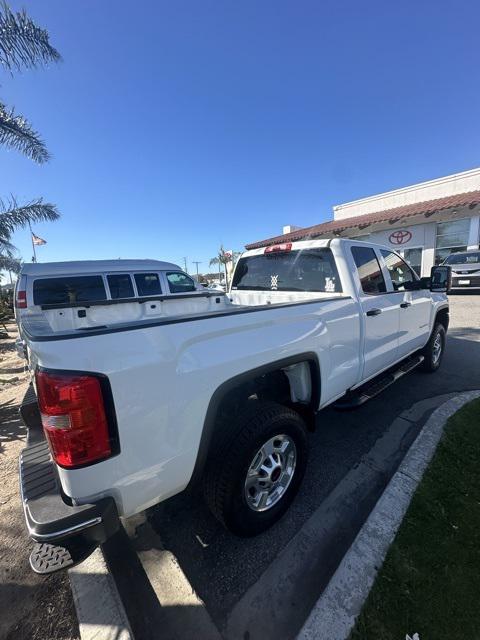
(452, 236)
(414, 258)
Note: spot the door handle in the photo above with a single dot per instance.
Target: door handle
(374, 312)
(405, 305)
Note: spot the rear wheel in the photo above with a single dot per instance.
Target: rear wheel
(256, 468)
(434, 349)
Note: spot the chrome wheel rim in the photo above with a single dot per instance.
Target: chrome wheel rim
(270, 473)
(437, 348)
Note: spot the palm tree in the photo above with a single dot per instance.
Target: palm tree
(22, 45)
(214, 262)
(224, 258)
(13, 216)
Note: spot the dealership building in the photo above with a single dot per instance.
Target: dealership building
(424, 222)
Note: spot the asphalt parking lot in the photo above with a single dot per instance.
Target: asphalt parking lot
(243, 582)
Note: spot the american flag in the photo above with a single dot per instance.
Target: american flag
(37, 240)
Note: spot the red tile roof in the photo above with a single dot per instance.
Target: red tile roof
(390, 215)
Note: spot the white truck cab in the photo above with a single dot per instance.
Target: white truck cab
(143, 389)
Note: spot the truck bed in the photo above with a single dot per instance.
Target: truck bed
(42, 326)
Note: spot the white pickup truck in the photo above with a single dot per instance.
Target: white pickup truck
(145, 386)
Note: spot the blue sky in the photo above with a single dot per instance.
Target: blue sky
(176, 126)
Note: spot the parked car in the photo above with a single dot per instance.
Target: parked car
(216, 286)
(465, 269)
(136, 400)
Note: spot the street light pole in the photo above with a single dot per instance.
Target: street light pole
(185, 264)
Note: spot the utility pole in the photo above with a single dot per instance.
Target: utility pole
(197, 262)
(185, 264)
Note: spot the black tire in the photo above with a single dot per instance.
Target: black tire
(432, 359)
(228, 464)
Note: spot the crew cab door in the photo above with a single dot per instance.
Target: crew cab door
(414, 304)
(381, 313)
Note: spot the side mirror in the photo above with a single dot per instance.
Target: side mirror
(441, 279)
(425, 282)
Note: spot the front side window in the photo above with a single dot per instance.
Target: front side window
(369, 271)
(69, 290)
(148, 284)
(120, 285)
(307, 270)
(413, 257)
(399, 271)
(179, 282)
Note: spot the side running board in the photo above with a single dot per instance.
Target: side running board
(354, 399)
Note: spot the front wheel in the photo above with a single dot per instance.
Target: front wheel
(434, 349)
(256, 468)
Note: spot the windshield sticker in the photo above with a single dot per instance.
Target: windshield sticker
(274, 282)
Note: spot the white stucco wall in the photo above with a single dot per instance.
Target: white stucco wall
(439, 188)
(422, 236)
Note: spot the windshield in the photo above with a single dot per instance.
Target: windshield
(463, 258)
(307, 270)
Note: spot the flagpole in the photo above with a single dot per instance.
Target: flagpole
(33, 245)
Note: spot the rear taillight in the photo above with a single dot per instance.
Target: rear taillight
(73, 417)
(21, 300)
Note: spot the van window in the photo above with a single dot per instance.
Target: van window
(120, 285)
(68, 290)
(371, 277)
(148, 284)
(180, 283)
(298, 270)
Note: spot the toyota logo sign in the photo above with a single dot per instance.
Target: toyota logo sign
(400, 237)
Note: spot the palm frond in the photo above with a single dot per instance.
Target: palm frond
(13, 216)
(22, 42)
(17, 133)
(8, 263)
(7, 249)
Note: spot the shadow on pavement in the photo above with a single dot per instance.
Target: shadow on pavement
(221, 567)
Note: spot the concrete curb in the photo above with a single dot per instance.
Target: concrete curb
(99, 608)
(335, 612)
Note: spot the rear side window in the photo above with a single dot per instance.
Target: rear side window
(68, 290)
(120, 285)
(179, 282)
(148, 284)
(371, 277)
(304, 270)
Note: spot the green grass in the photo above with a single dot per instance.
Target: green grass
(430, 581)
